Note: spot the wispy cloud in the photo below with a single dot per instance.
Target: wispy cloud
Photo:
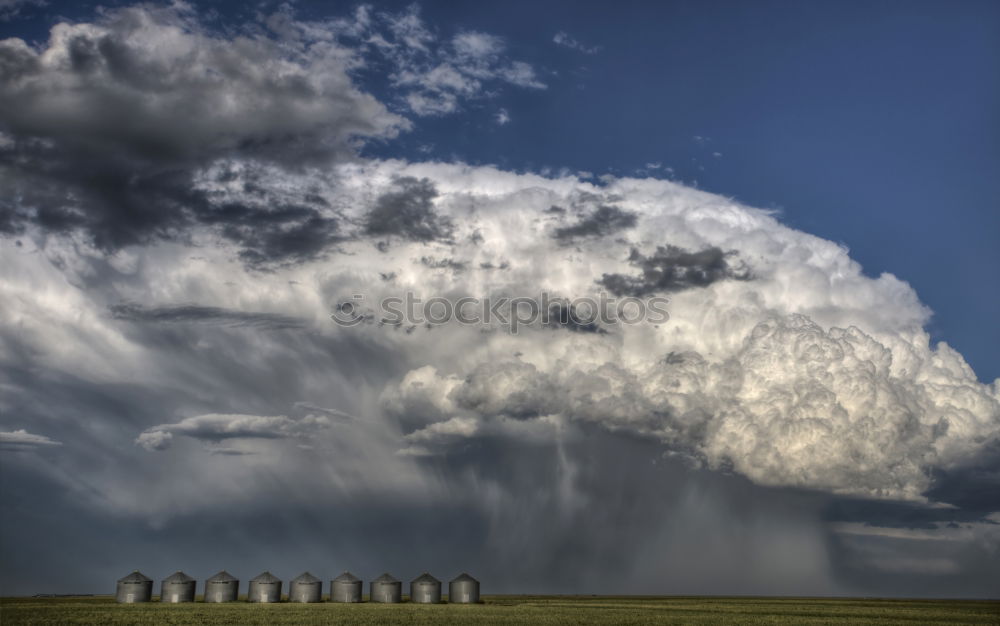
(10, 9)
(219, 427)
(23, 440)
(195, 314)
(436, 73)
(566, 40)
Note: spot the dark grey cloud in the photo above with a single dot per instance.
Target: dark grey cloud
(673, 269)
(443, 264)
(604, 220)
(407, 211)
(104, 129)
(231, 452)
(192, 313)
(568, 316)
(902, 515)
(973, 485)
(269, 236)
(112, 199)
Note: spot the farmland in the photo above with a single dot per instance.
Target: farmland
(512, 610)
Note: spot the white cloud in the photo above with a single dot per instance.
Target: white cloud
(9, 9)
(218, 427)
(154, 440)
(409, 29)
(502, 117)
(809, 374)
(474, 45)
(23, 440)
(564, 39)
(435, 73)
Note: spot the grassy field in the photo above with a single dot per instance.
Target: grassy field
(512, 610)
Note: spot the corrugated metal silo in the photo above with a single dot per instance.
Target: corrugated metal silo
(223, 587)
(345, 588)
(463, 589)
(305, 588)
(135, 587)
(178, 587)
(425, 589)
(264, 587)
(385, 588)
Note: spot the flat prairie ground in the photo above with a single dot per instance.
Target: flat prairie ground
(512, 610)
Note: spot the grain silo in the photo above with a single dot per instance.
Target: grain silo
(385, 588)
(345, 588)
(264, 587)
(463, 589)
(223, 587)
(425, 589)
(178, 587)
(134, 588)
(305, 588)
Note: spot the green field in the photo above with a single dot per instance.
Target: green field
(512, 610)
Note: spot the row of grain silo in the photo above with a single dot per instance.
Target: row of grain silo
(266, 587)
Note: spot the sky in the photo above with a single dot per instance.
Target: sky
(205, 207)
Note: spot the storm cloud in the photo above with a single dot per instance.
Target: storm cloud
(183, 210)
(811, 378)
(108, 124)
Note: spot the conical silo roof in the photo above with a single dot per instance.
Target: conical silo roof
(385, 578)
(222, 577)
(347, 577)
(426, 578)
(265, 577)
(178, 577)
(464, 578)
(135, 577)
(305, 577)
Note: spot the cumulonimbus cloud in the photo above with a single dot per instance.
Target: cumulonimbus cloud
(781, 361)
